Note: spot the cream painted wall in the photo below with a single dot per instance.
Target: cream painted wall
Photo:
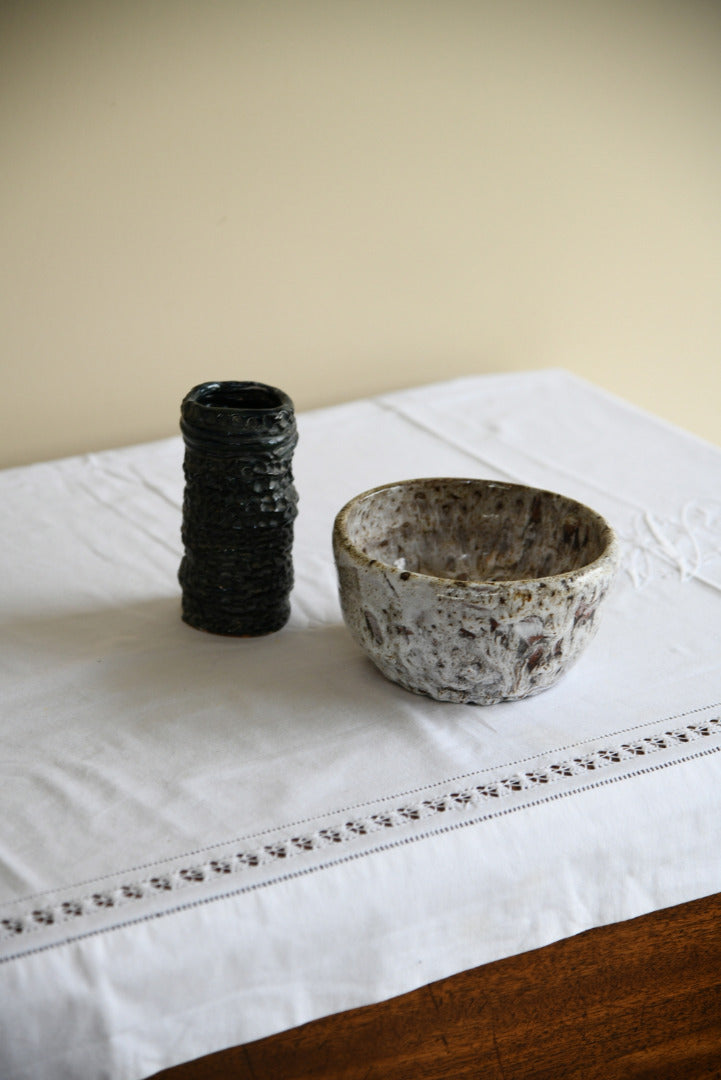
(343, 198)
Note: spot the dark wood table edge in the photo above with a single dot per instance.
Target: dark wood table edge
(636, 999)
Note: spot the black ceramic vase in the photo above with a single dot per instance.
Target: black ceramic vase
(239, 507)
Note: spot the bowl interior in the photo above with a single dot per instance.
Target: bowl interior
(475, 530)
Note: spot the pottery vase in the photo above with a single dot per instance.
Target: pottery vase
(239, 507)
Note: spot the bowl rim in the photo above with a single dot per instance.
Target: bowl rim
(609, 556)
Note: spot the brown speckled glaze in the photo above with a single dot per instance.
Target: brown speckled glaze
(471, 590)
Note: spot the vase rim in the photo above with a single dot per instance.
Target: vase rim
(238, 396)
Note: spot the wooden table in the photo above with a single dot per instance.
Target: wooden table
(206, 841)
(640, 999)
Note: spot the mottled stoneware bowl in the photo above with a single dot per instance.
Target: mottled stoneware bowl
(471, 590)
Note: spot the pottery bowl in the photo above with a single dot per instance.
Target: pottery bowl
(471, 590)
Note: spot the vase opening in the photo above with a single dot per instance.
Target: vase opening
(239, 396)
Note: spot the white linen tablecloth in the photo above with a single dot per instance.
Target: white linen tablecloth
(208, 840)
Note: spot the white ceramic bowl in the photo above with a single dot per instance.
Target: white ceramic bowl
(471, 590)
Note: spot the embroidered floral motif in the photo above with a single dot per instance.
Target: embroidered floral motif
(683, 545)
(454, 802)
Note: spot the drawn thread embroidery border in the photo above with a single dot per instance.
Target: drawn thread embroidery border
(459, 800)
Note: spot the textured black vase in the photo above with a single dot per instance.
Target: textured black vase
(239, 507)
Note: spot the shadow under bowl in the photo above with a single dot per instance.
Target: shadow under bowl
(471, 590)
